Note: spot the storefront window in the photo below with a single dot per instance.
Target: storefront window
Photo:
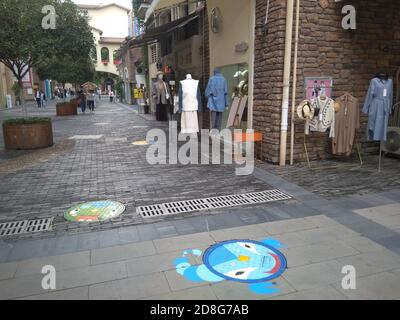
(237, 77)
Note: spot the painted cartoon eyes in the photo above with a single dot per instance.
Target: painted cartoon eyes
(239, 273)
(74, 213)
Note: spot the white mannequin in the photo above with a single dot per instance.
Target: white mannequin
(189, 105)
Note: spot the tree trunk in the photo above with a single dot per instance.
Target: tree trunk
(22, 98)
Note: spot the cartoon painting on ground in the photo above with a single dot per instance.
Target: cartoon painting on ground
(94, 211)
(246, 261)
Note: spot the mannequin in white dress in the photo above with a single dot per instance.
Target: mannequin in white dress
(189, 104)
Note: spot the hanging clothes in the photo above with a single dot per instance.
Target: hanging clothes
(325, 118)
(378, 105)
(347, 120)
(217, 92)
(189, 105)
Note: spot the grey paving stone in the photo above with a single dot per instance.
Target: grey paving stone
(66, 244)
(28, 249)
(382, 286)
(314, 275)
(147, 232)
(129, 235)
(319, 293)
(63, 262)
(7, 270)
(109, 238)
(251, 232)
(152, 264)
(286, 226)
(229, 290)
(183, 242)
(372, 262)
(88, 241)
(21, 287)
(199, 293)
(130, 289)
(122, 252)
(178, 282)
(84, 276)
(81, 293)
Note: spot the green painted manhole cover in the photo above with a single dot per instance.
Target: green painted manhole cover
(94, 211)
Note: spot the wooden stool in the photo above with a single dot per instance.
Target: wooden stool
(255, 137)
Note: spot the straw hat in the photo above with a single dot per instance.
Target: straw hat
(306, 110)
(337, 106)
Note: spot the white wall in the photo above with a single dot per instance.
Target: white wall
(113, 21)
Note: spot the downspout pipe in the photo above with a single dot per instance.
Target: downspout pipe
(250, 124)
(296, 50)
(286, 81)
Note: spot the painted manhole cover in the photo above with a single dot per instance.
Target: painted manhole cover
(94, 211)
(245, 261)
(256, 263)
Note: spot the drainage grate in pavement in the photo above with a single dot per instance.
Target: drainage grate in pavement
(25, 226)
(211, 203)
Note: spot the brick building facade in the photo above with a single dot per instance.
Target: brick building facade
(350, 57)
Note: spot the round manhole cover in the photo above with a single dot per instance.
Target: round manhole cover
(94, 211)
(245, 261)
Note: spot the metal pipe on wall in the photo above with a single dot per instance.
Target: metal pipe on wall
(286, 81)
(296, 49)
(251, 63)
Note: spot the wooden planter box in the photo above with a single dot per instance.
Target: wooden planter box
(27, 136)
(67, 109)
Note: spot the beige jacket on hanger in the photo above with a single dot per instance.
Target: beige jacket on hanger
(347, 121)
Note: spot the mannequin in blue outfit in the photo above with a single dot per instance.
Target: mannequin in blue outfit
(217, 94)
(378, 105)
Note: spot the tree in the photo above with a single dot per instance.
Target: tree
(25, 44)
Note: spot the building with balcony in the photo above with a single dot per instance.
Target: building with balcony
(110, 27)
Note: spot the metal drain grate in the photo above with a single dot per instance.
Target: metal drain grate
(211, 203)
(25, 226)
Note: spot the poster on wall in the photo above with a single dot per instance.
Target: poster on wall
(317, 86)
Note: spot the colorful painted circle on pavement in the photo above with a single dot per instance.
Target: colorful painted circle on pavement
(245, 261)
(94, 211)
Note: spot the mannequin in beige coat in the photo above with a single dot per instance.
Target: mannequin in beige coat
(161, 95)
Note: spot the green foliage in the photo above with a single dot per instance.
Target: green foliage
(24, 43)
(32, 120)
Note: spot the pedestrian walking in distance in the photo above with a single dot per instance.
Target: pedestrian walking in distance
(43, 99)
(90, 100)
(38, 97)
(82, 101)
(111, 96)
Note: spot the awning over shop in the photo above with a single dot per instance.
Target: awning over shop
(160, 4)
(153, 35)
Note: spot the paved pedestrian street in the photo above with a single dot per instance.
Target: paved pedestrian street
(315, 238)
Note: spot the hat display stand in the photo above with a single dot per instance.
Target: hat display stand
(339, 166)
(356, 145)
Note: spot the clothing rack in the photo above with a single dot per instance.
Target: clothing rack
(357, 144)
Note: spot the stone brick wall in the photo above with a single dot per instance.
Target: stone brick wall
(204, 29)
(350, 57)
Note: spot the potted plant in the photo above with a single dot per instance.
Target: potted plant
(27, 133)
(67, 108)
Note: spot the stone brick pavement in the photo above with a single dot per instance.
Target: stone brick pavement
(108, 167)
(347, 179)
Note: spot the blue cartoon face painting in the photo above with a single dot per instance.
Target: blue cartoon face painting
(245, 261)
